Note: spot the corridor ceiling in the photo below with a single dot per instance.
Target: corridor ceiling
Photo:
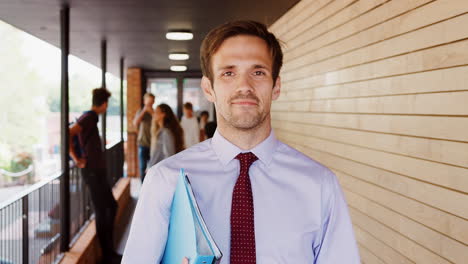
(135, 29)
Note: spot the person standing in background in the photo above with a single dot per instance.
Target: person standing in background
(204, 115)
(190, 125)
(167, 136)
(142, 121)
(93, 171)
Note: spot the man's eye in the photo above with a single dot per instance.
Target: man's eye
(259, 73)
(229, 73)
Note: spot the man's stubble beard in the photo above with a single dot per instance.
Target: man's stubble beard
(243, 121)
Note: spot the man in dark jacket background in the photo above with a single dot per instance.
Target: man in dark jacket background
(93, 170)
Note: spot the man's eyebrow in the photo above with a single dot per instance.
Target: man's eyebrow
(261, 66)
(226, 67)
(230, 67)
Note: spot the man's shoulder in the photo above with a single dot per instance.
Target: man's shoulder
(139, 111)
(191, 119)
(191, 156)
(87, 118)
(297, 160)
(87, 114)
(165, 132)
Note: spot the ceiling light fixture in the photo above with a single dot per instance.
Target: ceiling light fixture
(179, 56)
(179, 35)
(178, 68)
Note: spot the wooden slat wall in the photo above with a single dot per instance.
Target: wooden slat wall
(377, 90)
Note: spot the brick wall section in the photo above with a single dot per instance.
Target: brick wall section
(134, 100)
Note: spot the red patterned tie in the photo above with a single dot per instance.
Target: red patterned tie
(242, 215)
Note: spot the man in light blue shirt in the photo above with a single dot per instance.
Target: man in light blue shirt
(299, 213)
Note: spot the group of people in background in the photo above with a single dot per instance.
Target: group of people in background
(161, 135)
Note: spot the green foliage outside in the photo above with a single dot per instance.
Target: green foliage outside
(23, 95)
(21, 162)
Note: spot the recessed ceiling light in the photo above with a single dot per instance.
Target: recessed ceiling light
(179, 35)
(179, 56)
(178, 68)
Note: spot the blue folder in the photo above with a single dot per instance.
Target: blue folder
(188, 235)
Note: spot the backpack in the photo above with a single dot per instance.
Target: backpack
(76, 145)
(79, 151)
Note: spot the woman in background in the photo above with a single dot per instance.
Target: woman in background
(167, 136)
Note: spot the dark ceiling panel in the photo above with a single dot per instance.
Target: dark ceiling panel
(135, 29)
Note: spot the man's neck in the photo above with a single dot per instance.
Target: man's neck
(95, 109)
(245, 139)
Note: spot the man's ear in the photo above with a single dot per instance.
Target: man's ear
(276, 89)
(208, 89)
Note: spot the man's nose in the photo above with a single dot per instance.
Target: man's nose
(244, 84)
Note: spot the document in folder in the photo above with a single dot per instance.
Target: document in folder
(188, 235)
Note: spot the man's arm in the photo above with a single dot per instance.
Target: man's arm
(75, 130)
(337, 244)
(168, 146)
(148, 233)
(140, 114)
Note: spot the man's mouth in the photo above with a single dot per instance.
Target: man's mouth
(244, 102)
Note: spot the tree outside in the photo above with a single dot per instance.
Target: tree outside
(30, 101)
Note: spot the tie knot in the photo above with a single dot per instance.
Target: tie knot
(246, 159)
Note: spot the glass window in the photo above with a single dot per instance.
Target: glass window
(113, 110)
(165, 90)
(29, 101)
(194, 94)
(30, 105)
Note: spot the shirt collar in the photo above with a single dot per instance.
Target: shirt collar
(227, 151)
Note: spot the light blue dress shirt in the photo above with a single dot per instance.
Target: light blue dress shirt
(300, 212)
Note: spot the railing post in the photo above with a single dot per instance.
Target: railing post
(180, 96)
(25, 222)
(64, 111)
(121, 99)
(103, 85)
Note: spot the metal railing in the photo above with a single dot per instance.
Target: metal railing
(29, 230)
(80, 203)
(115, 161)
(30, 220)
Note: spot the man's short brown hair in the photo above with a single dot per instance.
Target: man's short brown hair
(148, 95)
(188, 106)
(100, 96)
(218, 35)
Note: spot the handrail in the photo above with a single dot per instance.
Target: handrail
(41, 183)
(113, 144)
(17, 174)
(45, 197)
(29, 190)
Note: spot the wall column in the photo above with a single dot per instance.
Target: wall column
(65, 135)
(134, 102)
